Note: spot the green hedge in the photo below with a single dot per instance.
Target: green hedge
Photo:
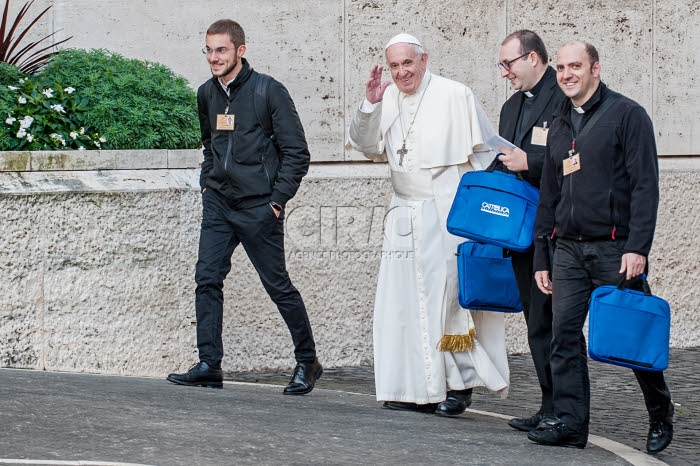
(134, 104)
(9, 76)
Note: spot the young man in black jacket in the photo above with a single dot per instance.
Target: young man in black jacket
(525, 119)
(598, 200)
(255, 155)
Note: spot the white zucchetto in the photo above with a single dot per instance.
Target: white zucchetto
(402, 38)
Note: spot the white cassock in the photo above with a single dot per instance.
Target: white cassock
(416, 303)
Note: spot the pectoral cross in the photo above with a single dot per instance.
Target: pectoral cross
(403, 151)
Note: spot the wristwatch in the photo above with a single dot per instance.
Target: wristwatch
(276, 206)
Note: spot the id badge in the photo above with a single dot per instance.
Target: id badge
(224, 122)
(572, 163)
(539, 136)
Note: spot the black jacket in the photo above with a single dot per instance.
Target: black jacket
(245, 165)
(549, 98)
(615, 194)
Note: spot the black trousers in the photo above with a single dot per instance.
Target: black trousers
(262, 235)
(537, 310)
(578, 268)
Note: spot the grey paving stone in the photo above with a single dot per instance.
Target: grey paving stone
(617, 405)
(81, 418)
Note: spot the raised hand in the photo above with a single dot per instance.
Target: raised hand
(374, 91)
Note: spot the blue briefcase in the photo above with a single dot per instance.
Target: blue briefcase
(495, 208)
(486, 279)
(629, 328)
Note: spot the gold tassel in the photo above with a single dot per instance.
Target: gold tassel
(457, 343)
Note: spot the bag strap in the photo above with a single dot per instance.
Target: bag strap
(607, 103)
(643, 278)
(497, 166)
(260, 98)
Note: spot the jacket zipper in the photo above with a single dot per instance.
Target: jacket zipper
(267, 173)
(612, 212)
(229, 152)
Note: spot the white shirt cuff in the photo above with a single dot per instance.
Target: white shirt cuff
(368, 107)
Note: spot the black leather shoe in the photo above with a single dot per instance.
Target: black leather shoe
(456, 403)
(304, 377)
(529, 423)
(555, 433)
(200, 375)
(404, 406)
(660, 435)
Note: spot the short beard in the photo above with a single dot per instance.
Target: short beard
(227, 70)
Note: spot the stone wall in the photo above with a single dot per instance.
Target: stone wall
(97, 266)
(323, 50)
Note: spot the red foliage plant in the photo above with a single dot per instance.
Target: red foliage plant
(28, 58)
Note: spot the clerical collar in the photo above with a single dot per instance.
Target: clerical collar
(592, 101)
(536, 88)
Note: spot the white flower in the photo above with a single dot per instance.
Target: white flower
(26, 122)
(81, 148)
(69, 90)
(82, 130)
(102, 139)
(22, 100)
(21, 80)
(97, 143)
(10, 120)
(48, 93)
(73, 134)
(58, 108)
(58, 137)
(21, 133)
(30, 138)
(12, 88)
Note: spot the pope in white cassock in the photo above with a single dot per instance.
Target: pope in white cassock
(429, 353)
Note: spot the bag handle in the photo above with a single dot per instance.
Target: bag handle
(643, 278)
(498, 166)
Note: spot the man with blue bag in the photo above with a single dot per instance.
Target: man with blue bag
(525, 118)
(599, 198)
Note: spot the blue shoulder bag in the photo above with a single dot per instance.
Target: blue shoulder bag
(495, 208)
(486, 279)
(629, 328)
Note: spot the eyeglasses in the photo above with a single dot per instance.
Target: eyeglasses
(219, 51)
(506, 64)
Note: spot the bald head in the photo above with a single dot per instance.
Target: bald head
(588, 48)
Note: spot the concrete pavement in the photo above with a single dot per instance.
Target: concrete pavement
(60, 418)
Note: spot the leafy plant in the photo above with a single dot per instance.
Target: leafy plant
(135, 104)
(28, 58)
(9, 74)
(46, 116)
